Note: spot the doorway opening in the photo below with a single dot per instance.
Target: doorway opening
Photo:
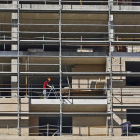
(53, 125)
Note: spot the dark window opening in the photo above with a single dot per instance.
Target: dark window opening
(133, 67)
(5, 85)
(135, 2)
(134, 119)
(54, 125)
(5, 2)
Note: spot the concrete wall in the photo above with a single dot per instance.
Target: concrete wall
(34, 121)
(53, 18)
(68, 108)
(8, 125)
(78, 81)
(97, 126)
(133, 49)
(118, 101)
(11, 105)
(120, 64)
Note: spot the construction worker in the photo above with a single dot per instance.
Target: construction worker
(45, 86)
(126, 127)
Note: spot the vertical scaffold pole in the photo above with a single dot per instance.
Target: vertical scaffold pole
(60, 69)
(4, 44)
(18, 71)
(110, 60)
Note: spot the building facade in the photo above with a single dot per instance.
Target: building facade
(89, 49)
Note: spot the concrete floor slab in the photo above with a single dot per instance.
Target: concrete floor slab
(69, 138)
(70, 101)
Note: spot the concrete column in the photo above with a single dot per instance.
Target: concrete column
(112, 28)
(129, 48)
(14, 78)
(14, 36)
(112, 32)
(14, 2)
(14, 30)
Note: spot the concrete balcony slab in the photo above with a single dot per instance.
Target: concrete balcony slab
(70, 101)
(125, 9)
(75, 105)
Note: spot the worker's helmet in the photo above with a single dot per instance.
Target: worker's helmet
(49, 79)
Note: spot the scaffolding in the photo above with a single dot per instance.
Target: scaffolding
(110, 40)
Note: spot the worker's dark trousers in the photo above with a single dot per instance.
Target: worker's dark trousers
(124, 133)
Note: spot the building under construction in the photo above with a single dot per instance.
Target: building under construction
(91, 51)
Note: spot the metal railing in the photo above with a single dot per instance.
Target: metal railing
(53, 130)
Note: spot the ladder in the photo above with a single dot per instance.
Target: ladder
(52, 90)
